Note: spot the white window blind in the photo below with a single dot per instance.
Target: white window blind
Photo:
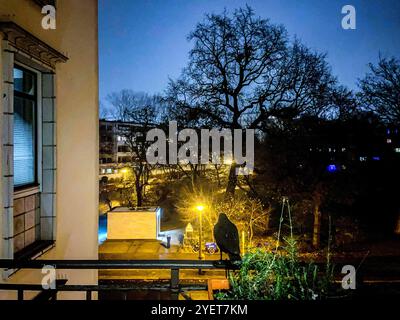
(24, 131)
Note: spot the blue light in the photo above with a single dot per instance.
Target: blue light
(102, 234)
(332, 168)
(376, 158)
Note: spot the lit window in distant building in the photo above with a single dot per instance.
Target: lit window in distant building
(388, 140)
(397, 150)
(376, 158)
(362, 159)
(109, 171)
(343, 149)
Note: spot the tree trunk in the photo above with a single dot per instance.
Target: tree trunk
(317, 227)
(251, 234)
(109, 204)
(267, 222)
(397, 228)
(139, 194)
(232, 181)
(218, 178)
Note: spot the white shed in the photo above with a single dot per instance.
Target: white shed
(134, 223)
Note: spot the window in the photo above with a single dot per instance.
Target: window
(124, 159)
(25, 124)
(123, 149)
(43, 3)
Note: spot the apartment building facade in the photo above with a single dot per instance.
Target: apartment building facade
(49, 137)
(114, 145)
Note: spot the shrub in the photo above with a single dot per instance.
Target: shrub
(280, 275)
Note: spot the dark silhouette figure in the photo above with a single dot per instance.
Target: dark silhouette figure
(227, 237)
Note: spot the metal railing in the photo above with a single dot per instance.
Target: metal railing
(61, 285)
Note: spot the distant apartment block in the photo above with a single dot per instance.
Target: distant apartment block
(114, 148)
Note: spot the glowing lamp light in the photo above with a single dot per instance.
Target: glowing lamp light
(200, 207)
(331, 168)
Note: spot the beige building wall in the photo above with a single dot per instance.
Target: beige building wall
(76, 131)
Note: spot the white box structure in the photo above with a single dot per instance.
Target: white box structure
(134, 223)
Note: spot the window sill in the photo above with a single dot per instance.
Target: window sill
(26, 192)
(34, 250)
(31, 252)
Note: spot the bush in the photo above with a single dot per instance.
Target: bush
(281, 275)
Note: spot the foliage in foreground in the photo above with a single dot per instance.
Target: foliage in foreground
(278, 276)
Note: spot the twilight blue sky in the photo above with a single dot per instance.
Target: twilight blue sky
(143, 42)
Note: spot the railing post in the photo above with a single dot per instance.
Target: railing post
(54, 295)
(20, 294)
(174, 279)
(88, 295)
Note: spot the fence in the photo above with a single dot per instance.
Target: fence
(61, 285)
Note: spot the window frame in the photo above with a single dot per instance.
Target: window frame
(37, 98)
(43, 3)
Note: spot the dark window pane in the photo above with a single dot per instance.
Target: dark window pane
(24, 82)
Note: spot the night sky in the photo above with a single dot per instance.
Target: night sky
(142, 43)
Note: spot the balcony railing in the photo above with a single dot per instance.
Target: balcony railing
(61, 285)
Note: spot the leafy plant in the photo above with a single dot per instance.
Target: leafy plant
(278, 276)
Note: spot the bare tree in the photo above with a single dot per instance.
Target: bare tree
(242, 73)
(141, 112)
(380, 89)
(380, 92)
(104, 112)
(248, 214)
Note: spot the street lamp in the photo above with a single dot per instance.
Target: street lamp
(200, 209)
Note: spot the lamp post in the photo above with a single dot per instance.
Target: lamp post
(200, 209)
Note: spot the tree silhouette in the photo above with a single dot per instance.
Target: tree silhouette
(242, 73)
(380, 89)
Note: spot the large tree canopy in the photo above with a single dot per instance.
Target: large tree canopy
(380, 89)
(242, 71)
